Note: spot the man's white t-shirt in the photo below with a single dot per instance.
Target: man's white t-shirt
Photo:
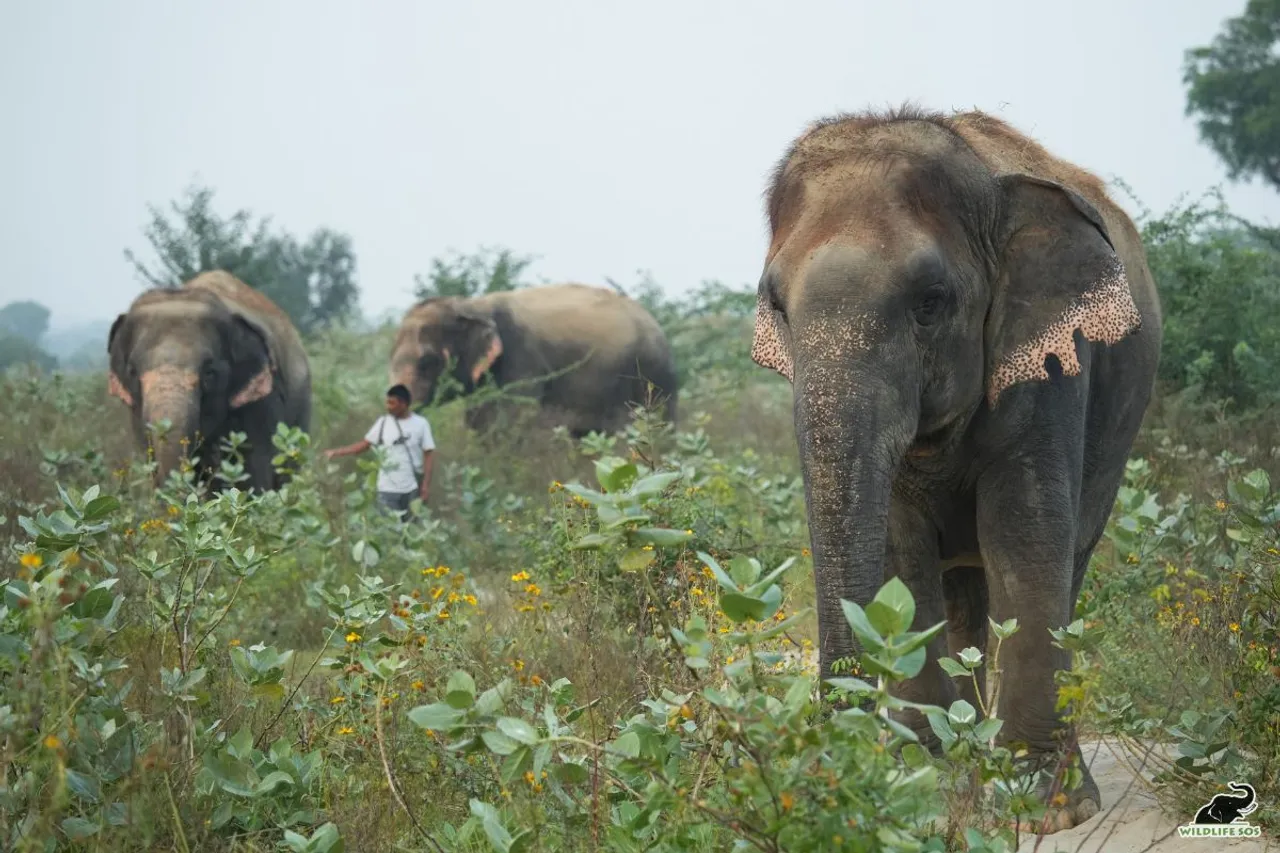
(405, 441)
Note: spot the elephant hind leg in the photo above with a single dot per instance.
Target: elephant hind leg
(964, 591)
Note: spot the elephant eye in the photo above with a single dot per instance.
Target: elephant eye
(930, 307)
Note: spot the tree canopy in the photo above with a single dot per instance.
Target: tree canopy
(27, 319)
(313, 281)
(489, 270)
(1234, 91)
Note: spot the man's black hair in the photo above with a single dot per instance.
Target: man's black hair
(401, 392)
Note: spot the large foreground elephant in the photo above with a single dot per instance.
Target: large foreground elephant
(972, 334)
(582, 353)
(213, 356)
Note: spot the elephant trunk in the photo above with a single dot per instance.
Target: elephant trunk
(852, 431)
(169, 393)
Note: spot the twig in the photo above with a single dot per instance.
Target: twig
(391, 779)
(177, 819)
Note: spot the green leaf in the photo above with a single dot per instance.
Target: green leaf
(741, 608)
(570, 773)
(861, 626)
(941, 728)
(78, 829)
(744, 570)
(327, 839)
(628, 744)
(614, 477)
(436, 717)
(913, 661)
(962, 713)
(271, 782)
(518, 729)
(900, 730)
(661, 536)
(953, 667)
(654, 484)
(499, 743)
(460, 692)
(516, 764)
(885, 619)
(100, 507)
(723, 579)
(970, 657)
(635, 560)
(84, 787)
(988, 728)
(897, 598)
(593, 542)
(851, 685)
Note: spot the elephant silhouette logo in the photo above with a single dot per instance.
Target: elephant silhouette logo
(1224, 815)
(1229, 808)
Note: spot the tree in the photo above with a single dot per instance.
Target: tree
(16, 350)
(1234, 89)
(314, 282)
(27, 320)
(489, 270)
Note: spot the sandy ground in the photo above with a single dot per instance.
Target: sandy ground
(1130, 821)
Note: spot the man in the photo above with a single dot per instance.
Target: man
(407, 436)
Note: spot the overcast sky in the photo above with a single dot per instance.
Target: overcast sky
(602, 137)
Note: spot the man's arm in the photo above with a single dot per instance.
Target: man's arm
(425, 491)
(350, 450)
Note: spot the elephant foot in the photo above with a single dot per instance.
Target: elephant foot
(1064, 809)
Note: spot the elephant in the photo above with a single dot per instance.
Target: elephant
(213, 356)
(581, 353)
(971, 333)
(1228, 808)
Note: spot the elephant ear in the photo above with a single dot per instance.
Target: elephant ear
(483, 343)
(1059, 273)
(770, 347)
(253, 365)
(115, 387)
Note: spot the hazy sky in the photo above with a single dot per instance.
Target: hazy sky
(602, 137)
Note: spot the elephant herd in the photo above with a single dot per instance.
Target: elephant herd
(970, 330)
(216, 356)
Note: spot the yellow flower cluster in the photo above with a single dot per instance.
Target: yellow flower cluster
(530, 594)
(153, 525)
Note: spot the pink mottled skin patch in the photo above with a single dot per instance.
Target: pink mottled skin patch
(168, 380)
(490, 356)
(257, 388)
(116, 389)
(767, 347)
(1105, 313)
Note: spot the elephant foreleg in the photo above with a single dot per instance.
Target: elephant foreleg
(1027, 530)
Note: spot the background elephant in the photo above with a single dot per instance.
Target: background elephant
(536, 332)
(213, 356)
(972, 334)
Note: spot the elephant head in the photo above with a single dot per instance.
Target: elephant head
(439, 330)
(906, 290)
(185, 357)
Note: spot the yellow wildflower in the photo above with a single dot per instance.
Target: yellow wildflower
(337, 700)
(787, 801)
(234, 643)
(441, 571)
(1195, 620)
(437, 592)
(805, 552)
(173, 510)
(688, 533)
(697, 592)
(1235, 627)
(453, 598)
(31, 561)
(52, 742)
(470, 599)
(353, 637)
(71, 559)
(428, 572)
(346, 730)
(533, 589)
(555, 486)
(1221, 504)
(443, 614)
(418, 685)
(536, 681)
(517, 664)
(458, 580)
(520, 576)
(524, 608)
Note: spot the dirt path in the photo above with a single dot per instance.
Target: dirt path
(1131, 821)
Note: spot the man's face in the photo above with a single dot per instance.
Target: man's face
(396, 407)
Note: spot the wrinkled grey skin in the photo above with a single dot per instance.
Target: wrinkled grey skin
(968, 380)
(582, 354)
(213, 357)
